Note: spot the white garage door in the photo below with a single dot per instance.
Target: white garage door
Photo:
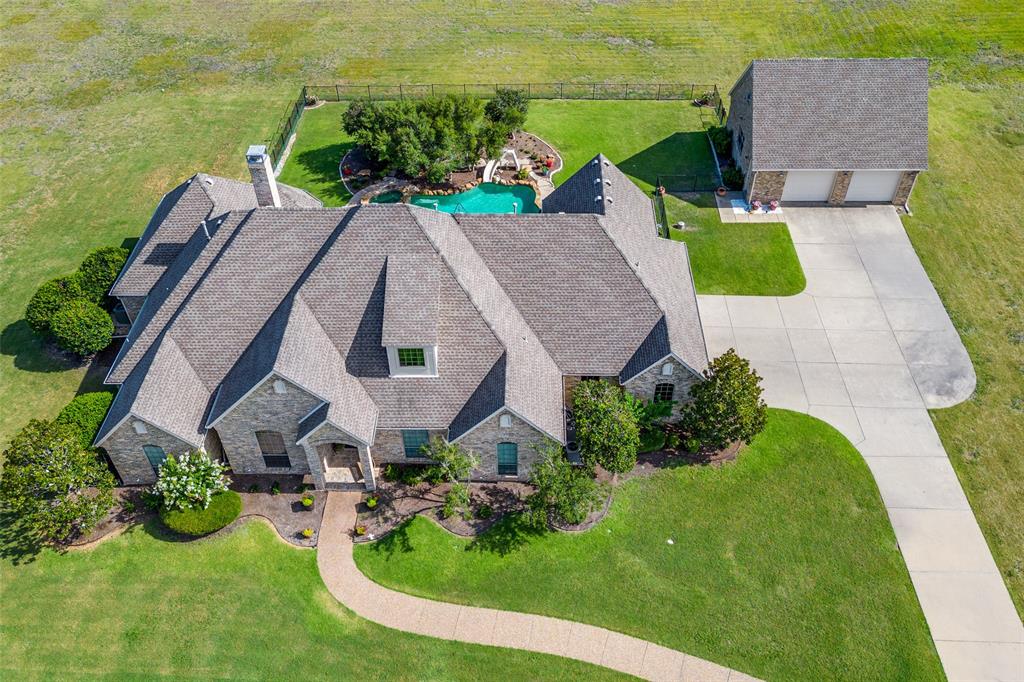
(872, 185)
(808, 185)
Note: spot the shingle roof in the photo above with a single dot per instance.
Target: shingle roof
(411, 291)
(178, 216)
(571, 284)
(839, 114)
(513, 303)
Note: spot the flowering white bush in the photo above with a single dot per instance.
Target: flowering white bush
(189, 481)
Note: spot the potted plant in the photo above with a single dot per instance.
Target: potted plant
(661, 190)
(360, 530)
(371, 501)
(755, 206)
(346, 171)
(307, 532)
(721, 191)
(773, 205)
(307, 502)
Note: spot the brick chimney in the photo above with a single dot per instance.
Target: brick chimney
(262, 176)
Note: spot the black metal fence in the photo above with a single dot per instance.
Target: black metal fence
(684, 184)
(712, 112)
(632, 91)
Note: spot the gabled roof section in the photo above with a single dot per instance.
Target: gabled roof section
(579, 194)
(839, 114)
(533, 382)
(178, 216)
(662, 265)
(571, 284)
(411, 292)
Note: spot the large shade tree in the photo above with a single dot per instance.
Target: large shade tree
(726, 406)
(606, 426)
(58, 488)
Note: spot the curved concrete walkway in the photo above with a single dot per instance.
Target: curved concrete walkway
(868, 347)
(490, 626)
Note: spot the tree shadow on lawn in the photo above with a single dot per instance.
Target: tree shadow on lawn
(321, 164)
(18, 543)
(506, 536)
(395, 541)
(32, 353)
(682, 153)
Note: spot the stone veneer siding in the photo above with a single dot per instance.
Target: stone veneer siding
(329, 434)
(388, 445)
(767, 186)
(132, 305)
(642, 385)
(124, 447)
(484, 439)
(740, 120)
(264, 410)
(904, 187)
(840, 187)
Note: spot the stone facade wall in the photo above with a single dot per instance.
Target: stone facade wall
(329, 434)
(132, 305)
(839, 187)
(265, 410)
(904, 187)
(124, 447)
(484, 439)
(740, 121)
(767, 186)
(389, 447)
(642, 385)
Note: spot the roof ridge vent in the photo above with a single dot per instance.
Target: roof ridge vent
(206, 230)
(598, 198)
(597, 181)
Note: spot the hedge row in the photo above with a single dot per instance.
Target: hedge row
(70, 308)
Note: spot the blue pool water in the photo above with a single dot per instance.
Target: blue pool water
(484, 198)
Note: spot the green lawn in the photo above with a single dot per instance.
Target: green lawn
(320, 144)
(783, 564)
(752, 259)
(244, 606)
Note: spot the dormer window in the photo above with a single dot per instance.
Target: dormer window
(411, 357)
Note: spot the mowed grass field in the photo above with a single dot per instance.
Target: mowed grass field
(105, 107)
(782, 564)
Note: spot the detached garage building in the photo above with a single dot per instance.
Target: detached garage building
(831, 130)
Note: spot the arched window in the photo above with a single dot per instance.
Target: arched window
(664, 392)
(505, 421)
(155, 454)
(508, 459)
(275, 454)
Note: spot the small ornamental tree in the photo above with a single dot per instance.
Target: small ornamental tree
(453, 464)
(189, 481)
(508, 109)
(567, 492)
(727, 405)
(59, 489)
(99, 270)
(49, 298)
(82, 327)
(85, 413)
(606, 426)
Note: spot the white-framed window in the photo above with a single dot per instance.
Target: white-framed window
(505, 421)
(412, 361)
(140, 428)
(280, 386)
(667, 369)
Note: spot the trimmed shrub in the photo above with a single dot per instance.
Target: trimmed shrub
(85, 413)
(49, 298)
(99, 270)
(721, 140)
(224, 508)
(732, 177)
(190, 481)
(727, 405)
(82, 327)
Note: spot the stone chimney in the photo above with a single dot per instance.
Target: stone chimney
(262, 176)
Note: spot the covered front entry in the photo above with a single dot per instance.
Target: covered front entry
(341, 464)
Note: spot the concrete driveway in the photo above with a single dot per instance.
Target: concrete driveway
(868, 347)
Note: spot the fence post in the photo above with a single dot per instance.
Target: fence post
(401, 95)
(369, 95)
(627, 90)
(560, 95)
(594, 95)
(529, 91)
(659, 91)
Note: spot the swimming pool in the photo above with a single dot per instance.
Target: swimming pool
(487, 197)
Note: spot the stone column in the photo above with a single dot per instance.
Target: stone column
(316, 467)
(839, 187)
(904, 187)
(767, 186)
(263, 181)
(366, 463)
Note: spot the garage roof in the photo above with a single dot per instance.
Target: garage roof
(839, 114)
